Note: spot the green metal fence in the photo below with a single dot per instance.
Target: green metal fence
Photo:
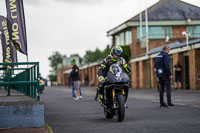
(21, 76)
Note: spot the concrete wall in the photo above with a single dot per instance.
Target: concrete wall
(21, 115)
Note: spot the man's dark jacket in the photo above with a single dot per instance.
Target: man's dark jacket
(74, 74)
(162, 65)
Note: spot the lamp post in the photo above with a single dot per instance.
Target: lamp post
(167, 39)
(186, 34)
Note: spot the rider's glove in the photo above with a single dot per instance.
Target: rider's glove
(124, 65)
(122, 62)
(101, 79)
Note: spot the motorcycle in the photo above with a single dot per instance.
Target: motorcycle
(42, 85)
(116, 86)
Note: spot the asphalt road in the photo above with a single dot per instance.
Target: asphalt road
(66, 115)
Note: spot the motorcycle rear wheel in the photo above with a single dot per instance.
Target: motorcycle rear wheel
(121, 108)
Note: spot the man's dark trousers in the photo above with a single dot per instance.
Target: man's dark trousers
(165, 82)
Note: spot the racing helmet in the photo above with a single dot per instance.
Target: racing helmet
(116, 52)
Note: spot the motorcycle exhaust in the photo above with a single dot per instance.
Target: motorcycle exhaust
(103, 105)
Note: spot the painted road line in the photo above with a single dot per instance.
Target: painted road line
(49, 128)
(196, 106)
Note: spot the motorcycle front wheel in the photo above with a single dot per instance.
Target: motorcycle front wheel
(121, 108)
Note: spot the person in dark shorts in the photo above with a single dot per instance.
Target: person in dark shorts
(178, 70)
(75, 79)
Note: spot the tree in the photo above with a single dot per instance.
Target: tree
(126, 52)
(97, 55)
(91, 56)
(55, 59)
(106, 51)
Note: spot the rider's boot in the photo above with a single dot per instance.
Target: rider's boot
(101, 97)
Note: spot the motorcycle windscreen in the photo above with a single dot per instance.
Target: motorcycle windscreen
(116, 75)
(116, 69)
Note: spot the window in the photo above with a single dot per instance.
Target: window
(124, 38)
(117, 40)
(143, 33)
(192, 30)
(198, 31)
(155, 32)
(128, 37)
(167, 31)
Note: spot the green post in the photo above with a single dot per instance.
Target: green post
(8, 90)
(38, 86)
(9, 75)
(35, 78)
(25, 81)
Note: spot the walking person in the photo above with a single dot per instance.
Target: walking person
(164, 75)
(178, 70)
(86, 80)
(75, 77)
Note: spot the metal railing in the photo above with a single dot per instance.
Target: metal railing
(21, 76)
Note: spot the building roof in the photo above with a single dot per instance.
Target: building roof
(167, 10)
(174, 45)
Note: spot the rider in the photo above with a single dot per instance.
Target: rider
(115, 56)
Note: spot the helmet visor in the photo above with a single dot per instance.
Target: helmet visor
(118, 52)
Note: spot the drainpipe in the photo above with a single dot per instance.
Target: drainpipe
(147, 30)
(140, 23)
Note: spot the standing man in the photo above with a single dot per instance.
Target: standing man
(178, 70)
(75, 77)
(164, 75)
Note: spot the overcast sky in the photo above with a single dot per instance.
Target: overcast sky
(73, 26)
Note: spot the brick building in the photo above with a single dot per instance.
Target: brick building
(90, 70)
(167, 21)
(62, 74)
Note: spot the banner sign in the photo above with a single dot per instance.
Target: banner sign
(9, 51)
(17, 29)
